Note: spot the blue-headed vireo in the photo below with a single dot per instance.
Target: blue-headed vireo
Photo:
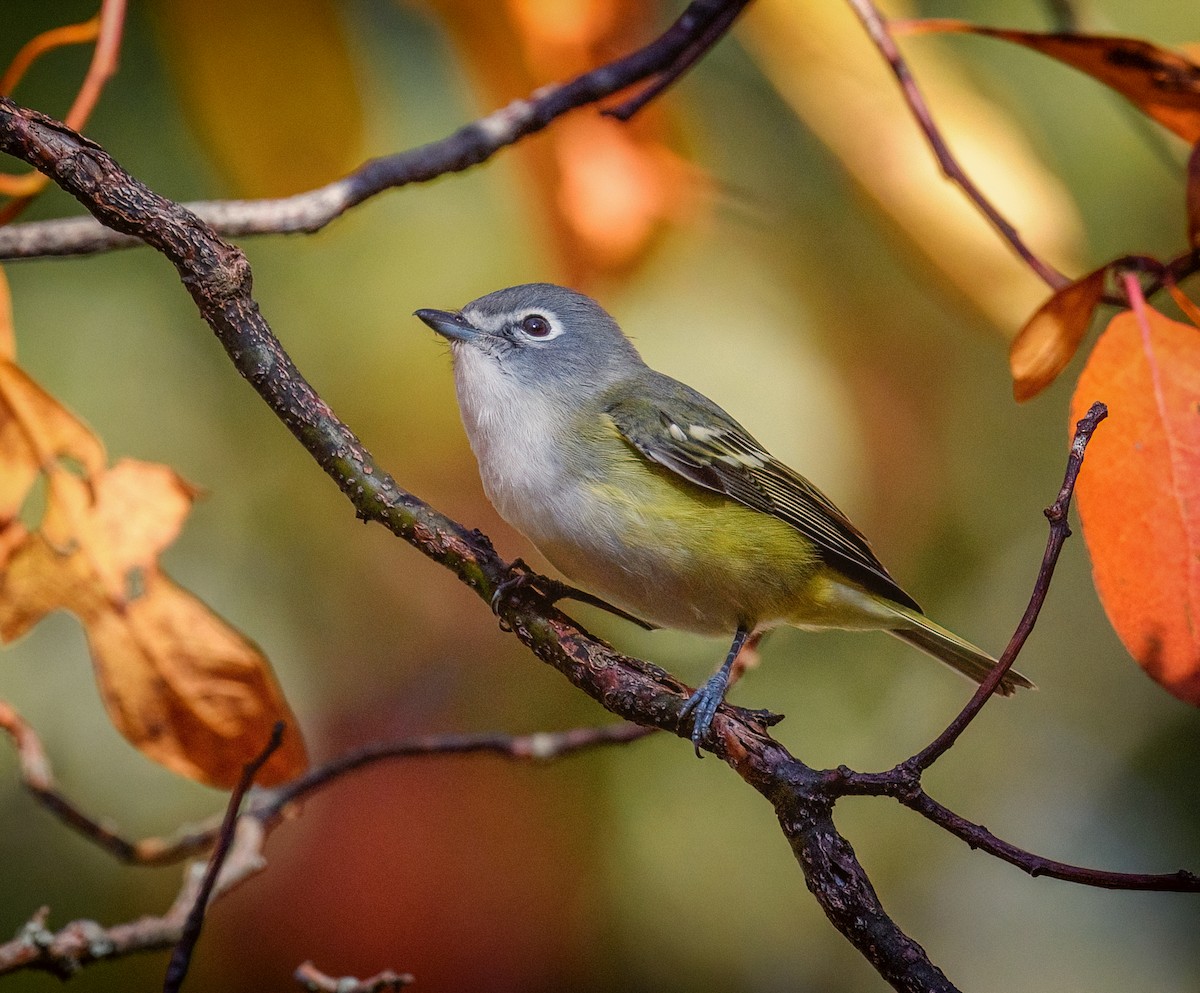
(650, 495)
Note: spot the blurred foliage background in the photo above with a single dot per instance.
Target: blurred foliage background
(770, 231)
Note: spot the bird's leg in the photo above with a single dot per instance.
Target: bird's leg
(552, 591)
(705, 701)
(747, 658)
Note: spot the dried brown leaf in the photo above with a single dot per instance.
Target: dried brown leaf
(1049, 340)
(35, 432)
(181, 684)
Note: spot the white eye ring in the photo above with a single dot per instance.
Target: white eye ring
(539, 327)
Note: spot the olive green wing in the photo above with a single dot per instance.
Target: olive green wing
(674, 426)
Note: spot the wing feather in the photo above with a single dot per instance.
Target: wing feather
(692, 437)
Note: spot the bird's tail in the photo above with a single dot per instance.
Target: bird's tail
(945, 646)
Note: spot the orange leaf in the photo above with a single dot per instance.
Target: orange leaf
(1163, 84)
(182, 685)
(1048, 341)
(1139, 492)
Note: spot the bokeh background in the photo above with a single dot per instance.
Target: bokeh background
(772, 232)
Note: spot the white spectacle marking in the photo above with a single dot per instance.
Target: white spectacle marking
(497, 323)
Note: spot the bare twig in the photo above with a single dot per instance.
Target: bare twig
(181, 954)
(542, 746)
(1060, 531)
(313, 979)
(65, 952)
(470, 145)
(687, 58)
(979, 837)
(878, 32)
(38, 778)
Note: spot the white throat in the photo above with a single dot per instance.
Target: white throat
(511, 428)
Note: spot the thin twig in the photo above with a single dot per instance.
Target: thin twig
(181, 955)
(313, 979)
(1060, 531)
(64, 952)
(877, 30)
(541, 746)
(475, 143)
(38, 777)
(979, 837)
(81, 942)
(685, 60)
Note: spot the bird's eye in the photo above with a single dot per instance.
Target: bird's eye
(536, 326)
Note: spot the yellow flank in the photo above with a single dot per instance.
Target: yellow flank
(682, 556)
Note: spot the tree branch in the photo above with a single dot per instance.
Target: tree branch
(314, 980)
(700, 26)
(38, 777)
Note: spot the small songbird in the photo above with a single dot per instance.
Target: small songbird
(650, 496)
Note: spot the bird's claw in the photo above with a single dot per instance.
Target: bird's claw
(703, 706)
(551, 591)
(519, 575)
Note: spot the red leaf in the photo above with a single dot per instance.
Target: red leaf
(1139, 492)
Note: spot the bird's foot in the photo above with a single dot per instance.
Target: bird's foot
(703, 706)
(519, 576)
(551, 591)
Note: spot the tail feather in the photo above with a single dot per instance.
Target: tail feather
(945, 646)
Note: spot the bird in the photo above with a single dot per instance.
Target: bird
(653, 498)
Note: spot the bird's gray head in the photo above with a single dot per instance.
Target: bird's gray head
(540, 336)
